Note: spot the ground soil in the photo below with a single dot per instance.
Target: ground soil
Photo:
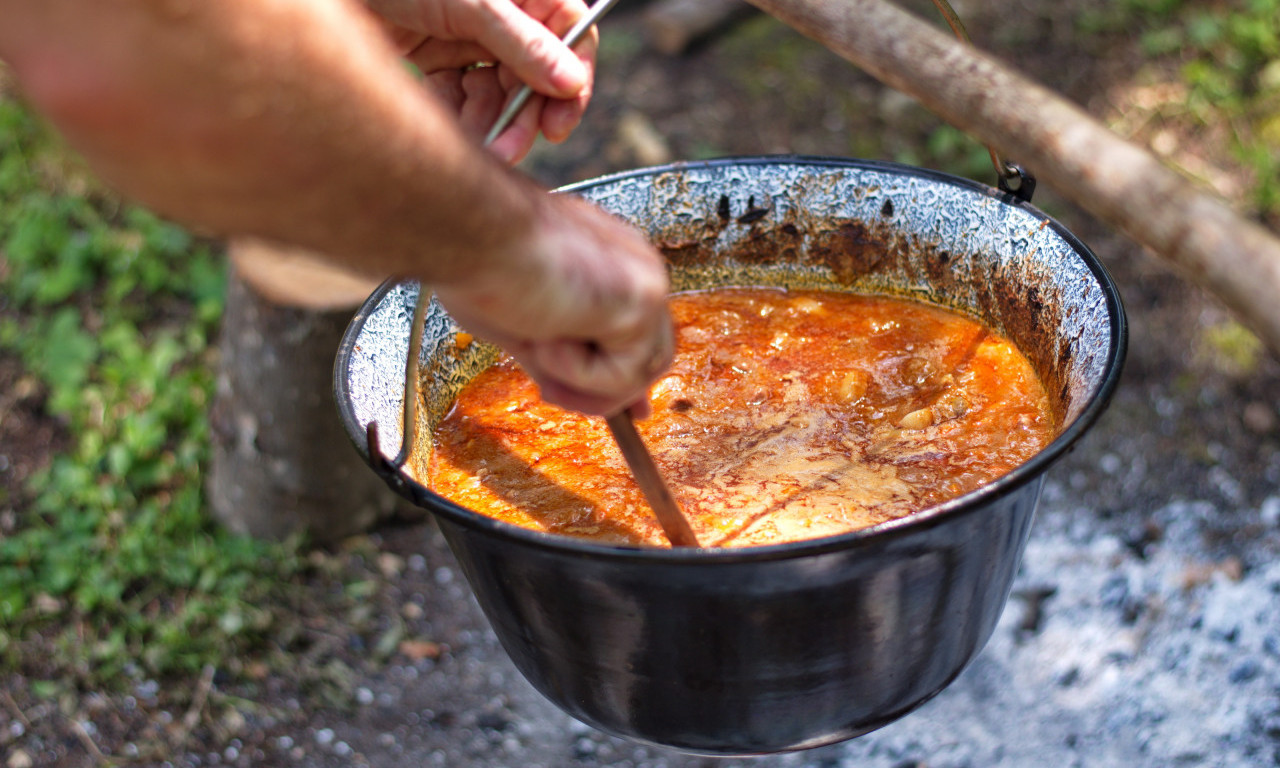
(756, 89)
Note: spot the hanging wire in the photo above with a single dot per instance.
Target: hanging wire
(1012, 178)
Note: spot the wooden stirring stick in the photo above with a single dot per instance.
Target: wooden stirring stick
(654, 488)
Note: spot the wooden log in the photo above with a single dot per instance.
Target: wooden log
(292, 277)
(671, 26)
(282, 464)
(1123, 185)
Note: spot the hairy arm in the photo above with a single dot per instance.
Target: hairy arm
(294, 120)
(267, 117)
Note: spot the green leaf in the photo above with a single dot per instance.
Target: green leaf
(45, 689)
(65, 358)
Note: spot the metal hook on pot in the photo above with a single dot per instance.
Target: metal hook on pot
(1011, 178)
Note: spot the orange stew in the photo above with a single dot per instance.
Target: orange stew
(787, 415)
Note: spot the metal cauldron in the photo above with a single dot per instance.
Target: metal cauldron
(748, 651)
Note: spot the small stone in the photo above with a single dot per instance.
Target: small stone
(20, 759)
(1259, 417)
(1269, 512)
(48, 604)
(1199, 574)
(412, 611)
(390, 565)
(1115, 592)
(493, 721)
(418, 650)
(233, 721)
(25, 388)
(1245, 671)
(325, 736)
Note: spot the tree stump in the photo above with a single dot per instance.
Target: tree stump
(282, 464)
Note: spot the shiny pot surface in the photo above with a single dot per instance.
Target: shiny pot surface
(768, 649)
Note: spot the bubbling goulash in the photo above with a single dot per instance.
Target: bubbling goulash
(787, 415)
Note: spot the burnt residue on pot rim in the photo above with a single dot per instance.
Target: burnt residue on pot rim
(853, 254)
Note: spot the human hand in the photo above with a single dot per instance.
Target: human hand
(453, 42)
(582, 307)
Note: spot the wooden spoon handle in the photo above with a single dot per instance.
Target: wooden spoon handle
(654, 488)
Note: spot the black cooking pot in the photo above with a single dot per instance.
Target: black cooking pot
(774, 648)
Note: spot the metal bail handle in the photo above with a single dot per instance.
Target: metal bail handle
(1011, 178)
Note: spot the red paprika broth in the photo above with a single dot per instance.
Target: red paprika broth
(787, 415)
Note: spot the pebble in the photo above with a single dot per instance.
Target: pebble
(1269, 512)
(20, 759)
(1259, 417)
(390, 565)
(1245, 671)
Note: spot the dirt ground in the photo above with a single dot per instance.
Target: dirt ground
(1194, 412)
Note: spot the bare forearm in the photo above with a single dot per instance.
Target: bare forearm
(287, 119)
(294, 120)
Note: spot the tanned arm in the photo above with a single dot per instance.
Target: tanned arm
(294, 120)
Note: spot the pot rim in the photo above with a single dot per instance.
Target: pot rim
(973, 502)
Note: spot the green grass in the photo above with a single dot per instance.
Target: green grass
(1233, 71)
(115, 570)
(1227, 54)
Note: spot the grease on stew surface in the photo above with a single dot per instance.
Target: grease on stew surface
(787, 415)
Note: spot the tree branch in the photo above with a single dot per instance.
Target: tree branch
(1123, 185)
